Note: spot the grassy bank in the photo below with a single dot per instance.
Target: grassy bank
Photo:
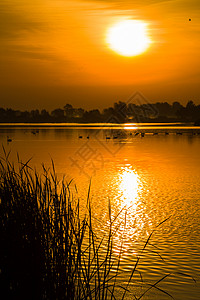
(49, 250)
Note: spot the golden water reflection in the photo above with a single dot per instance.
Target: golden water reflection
(129, 185)
(131, 218)
(130, 127)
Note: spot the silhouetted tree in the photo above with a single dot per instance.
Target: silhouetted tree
(68, 111)
(78, 113)
(108, 114)
(176, 106)
(57, 113)
(120, 112)
(44, 113)
(190, 106)
(92, 116)
(44, 116)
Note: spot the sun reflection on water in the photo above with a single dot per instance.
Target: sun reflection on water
(130, 127)
(132, 218)
(129, 186)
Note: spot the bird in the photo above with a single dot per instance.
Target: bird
(107, 137)
(142, 134)
(166, 133)
(9, 139)
(136, 133)
(190, 20)
(115, 137)
(80, 137)
(88, 137)
(155, 133)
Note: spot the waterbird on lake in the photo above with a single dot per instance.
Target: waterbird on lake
(142, 134)
(115, 137)
(155, 133)
(179, 133)
(9, 139)
(190, 20)
(80, 137)
(88, 137)
(136, 133)
(107, 137)
(166, 133)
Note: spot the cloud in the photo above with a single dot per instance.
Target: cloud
(16, 20)
(182, 5)
(132, 3)
(21, 30)
(27, 52)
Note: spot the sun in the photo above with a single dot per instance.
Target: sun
(128, 38)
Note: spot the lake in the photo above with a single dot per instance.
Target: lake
(151, 172)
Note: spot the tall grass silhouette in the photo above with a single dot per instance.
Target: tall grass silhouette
(49, 249)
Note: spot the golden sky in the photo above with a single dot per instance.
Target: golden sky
(55, 52)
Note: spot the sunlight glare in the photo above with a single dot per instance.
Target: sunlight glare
(131, 220)
(130, 127)
(128, 38)
(129, 185)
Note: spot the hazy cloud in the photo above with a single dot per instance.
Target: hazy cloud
(26, 52)
(137, 4)
(133, 3)
(15, 20)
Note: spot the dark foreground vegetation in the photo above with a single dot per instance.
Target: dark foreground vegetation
(121, 112)
(49, 249)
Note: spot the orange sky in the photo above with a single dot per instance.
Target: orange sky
(54, 52)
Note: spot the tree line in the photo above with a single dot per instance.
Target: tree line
(120, 112)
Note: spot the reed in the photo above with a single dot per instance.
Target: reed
(49, 249)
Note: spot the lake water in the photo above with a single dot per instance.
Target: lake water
(152, 177)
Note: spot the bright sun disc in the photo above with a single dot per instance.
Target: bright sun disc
(128, 38)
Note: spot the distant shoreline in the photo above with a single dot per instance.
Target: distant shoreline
(119, 113)
(57, 124)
